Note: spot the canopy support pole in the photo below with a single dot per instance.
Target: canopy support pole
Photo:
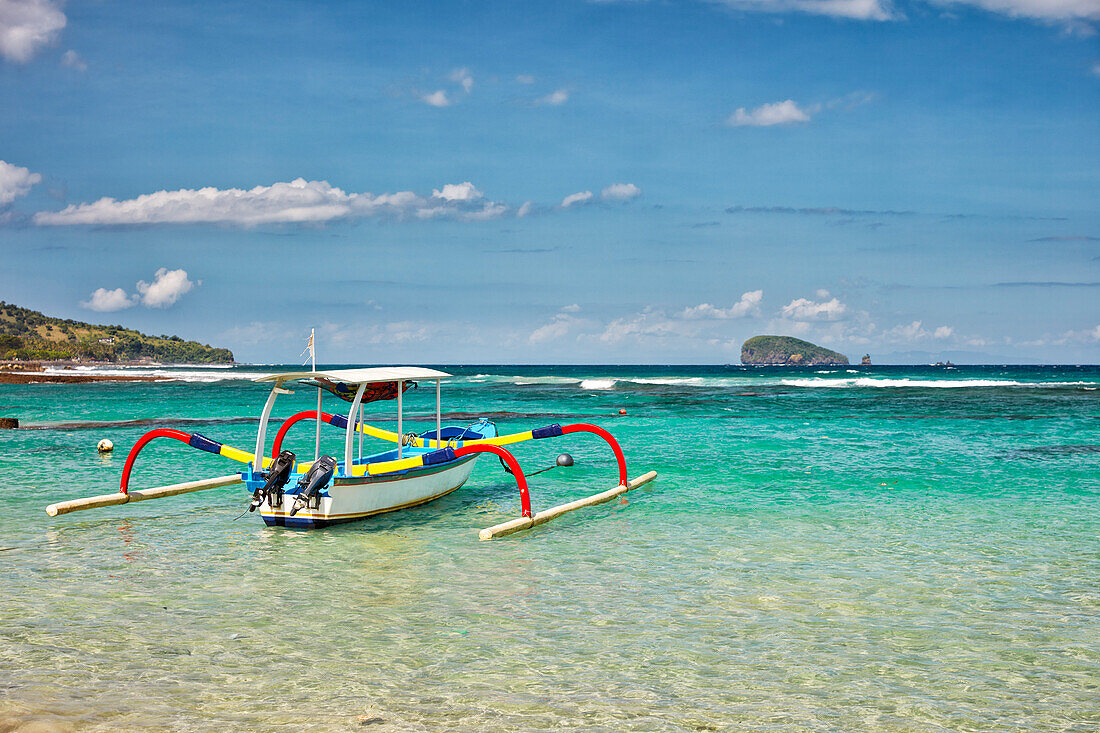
(317, 438)
(400, 434)
(261, 435)
(353, 418)
(438, 418)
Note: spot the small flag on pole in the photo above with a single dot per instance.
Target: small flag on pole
(309, 347)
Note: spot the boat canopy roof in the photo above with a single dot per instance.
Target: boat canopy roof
(359, 376)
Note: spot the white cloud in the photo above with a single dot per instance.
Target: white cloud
(852, 100)
(943, 332)
(853, 9)
(580, 197)
(621, 192)
(553, 330)
(167, 287)
(882, 10)
(1047, 10)
(788, 112)
(906, 332)
(489, 210)
(396, 332)
(561, 96)
(71, 59)
(458, 192)
(748, 305)
(524, 209)
(26, 26)
(1086, 336)
(525, 79)
(649, 324)
(106, 301)
(296, 202)
(1095, 70)
(559, 326)
(915, 331)
(707, 326)
(438, 98)
(462, 77)
(15, 182)
(767, 115)
(803, 309)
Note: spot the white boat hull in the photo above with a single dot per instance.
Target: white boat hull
(351, 499)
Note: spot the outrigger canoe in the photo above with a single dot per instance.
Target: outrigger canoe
(418, 468)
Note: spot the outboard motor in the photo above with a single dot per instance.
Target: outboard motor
(312, 483)
(277, 477)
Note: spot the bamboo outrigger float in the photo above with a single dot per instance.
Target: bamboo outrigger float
(325, 491)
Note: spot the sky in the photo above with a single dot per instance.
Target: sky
(559, 182)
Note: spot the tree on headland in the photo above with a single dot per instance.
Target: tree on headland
(30, 335)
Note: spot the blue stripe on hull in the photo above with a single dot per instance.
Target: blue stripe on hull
(297, 522)
(308, 522)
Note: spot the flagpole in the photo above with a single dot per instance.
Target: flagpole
(313, 359)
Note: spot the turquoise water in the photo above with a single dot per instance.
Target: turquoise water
(882, 549)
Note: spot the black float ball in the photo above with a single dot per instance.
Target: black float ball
(565, 460)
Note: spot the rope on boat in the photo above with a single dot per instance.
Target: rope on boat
(550, 431)
(341, 422)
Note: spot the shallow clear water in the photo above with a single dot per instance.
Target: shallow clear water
(832, 549)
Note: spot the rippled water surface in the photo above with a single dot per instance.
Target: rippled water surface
(833, 549)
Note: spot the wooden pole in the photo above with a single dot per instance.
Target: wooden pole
(91, 502)
(522, 523)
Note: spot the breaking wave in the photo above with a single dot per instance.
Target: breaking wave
(598, 383)
(174, 372)
(924, 383)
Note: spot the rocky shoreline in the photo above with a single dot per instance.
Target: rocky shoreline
(7, 377)
(34, 372)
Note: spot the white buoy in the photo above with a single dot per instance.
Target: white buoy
(105, 446)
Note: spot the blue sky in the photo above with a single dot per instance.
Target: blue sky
(606, 182)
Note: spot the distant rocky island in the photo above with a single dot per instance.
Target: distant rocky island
(787, 350)
(27, 335)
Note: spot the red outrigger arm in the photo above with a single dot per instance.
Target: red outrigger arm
(513, 464)
(510, 461)
(192, 439)
(583, 427)
(124, 486)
